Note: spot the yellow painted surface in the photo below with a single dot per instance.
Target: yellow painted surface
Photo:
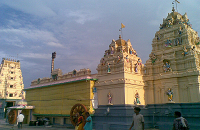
(59, 99)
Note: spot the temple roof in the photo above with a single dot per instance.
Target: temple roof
(120, 42)
(174, 18)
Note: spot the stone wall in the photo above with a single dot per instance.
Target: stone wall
(160, 116)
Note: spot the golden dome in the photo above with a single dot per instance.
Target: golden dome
(120, 42)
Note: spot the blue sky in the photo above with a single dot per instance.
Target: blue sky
(79, 30)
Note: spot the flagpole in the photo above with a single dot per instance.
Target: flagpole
(121, 33)
(176, 1)
(122, 26)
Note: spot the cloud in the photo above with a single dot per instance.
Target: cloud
(18, 37)
(35, 55)
(34, 7)
(82, 16)
(55, 44)
(28, 63)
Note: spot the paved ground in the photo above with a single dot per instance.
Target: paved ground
(6, 126)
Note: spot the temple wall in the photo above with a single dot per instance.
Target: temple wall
(116, 91)
(59, 99)
(185, 89)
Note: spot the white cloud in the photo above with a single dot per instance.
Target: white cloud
(55, 44)
(83, 16)
(24, 64)
(17, 37)
(15, 41)
(13, 23)
(34, 7)
(35, 55)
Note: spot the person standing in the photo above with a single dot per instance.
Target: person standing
(20, 119)
(88, 125)
(80, 121)
(138, 120)
(180, 123)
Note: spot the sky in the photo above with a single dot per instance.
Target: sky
(79, 31)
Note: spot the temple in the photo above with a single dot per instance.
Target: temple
(172, 71)
(120, 75)
(168, 81)
(11, 84)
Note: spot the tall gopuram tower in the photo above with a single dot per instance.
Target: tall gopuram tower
(11, 84)
(120, 78)
(172, 71)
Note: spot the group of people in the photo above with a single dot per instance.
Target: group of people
(84, 123)
(180, 123)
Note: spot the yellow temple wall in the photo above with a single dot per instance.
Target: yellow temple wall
(134, 83)
(110, 83)
(117, 92)
(130, 91)
(59, 99)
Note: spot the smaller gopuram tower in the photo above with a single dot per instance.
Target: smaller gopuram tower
(172, 71)
(11, 84)
(119, 75)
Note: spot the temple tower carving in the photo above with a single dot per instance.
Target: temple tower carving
(172, 71)
(120, 75)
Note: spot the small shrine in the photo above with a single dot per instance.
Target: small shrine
(172, 71)
(20, 107)
(119, 75)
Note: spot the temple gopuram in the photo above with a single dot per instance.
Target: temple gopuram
(11, 84)
(120, 75)
(172, 71)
